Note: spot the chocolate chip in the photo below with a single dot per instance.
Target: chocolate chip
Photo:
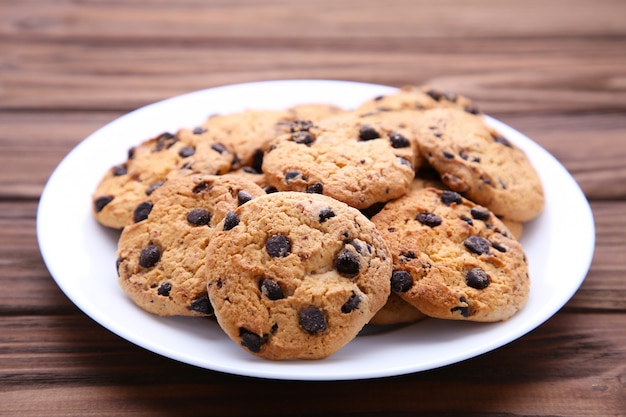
(278, 246)
(499, 247)
(303, 138)
(199, 130)
(401, 281)
(367, 132)
(119, 170)
(164, 141)
(164, 289)
(271, 289)
(480, 213)
(131, 152)
(449, 197)
(317, 188)
(202, 305)
(219, 148)
(502, 141)
(101, 202)
(252, 341)
(467, 220)
(243, 197)
(357, 246)
(199, 217)
(149, 256)
(428, 219)
(477, 278)
(257, 160)
(186, 151)
(231, 220)
(325, 214)
(201, 187)
(301, 125)
(477, 245)
(398, 141)
(142, 211)
(347, 263)
(352, 304)
(434, 94)
(153, 187)
(312, 320)
(464, 310)
(292, 174)
(447, 155)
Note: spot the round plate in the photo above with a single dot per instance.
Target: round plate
(80, 254)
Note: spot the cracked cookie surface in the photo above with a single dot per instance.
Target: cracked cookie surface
(355, 160)
(125, 185)
(478, 162)
(453, 259)
(296, 275)
(160, 256)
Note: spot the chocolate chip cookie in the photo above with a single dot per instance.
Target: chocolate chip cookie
(417, 98)
(481, 164)
(125, 185)
(160, 256)
(453, 259)
(345, 157)
(296, 275)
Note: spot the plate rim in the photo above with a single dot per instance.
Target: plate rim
(274, 370)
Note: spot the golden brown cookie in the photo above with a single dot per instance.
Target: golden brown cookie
(417, 98)
(481, 164)
(296, 275)
(248, 133)
(453, 259)
(127, 184)
(344, 157)
(160, 256)
(429, 178)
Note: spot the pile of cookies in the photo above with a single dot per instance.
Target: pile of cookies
(297, 228)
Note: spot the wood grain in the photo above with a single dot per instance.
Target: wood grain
(513, 56)
(66, 75)
(555, 71)
(71, 363)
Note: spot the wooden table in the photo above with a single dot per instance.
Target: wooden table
(554, 70)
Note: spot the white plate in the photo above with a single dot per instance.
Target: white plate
(80, 254)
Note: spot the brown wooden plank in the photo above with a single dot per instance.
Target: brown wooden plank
(40, 74)
(69, 364)
(56, 55)
(147, 19)
(32, 144)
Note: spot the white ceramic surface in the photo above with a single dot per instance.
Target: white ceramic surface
(80, 254)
